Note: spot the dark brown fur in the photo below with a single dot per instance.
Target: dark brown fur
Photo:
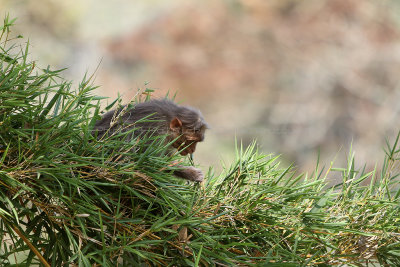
(183, 124)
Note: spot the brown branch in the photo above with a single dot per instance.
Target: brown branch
(30, 245)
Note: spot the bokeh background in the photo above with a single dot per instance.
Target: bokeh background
(302, 77)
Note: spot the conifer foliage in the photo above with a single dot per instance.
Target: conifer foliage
(68, 198)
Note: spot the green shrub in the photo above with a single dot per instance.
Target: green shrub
(68, 199)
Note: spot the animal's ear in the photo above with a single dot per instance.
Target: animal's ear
(175, 124)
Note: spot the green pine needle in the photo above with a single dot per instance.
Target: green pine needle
(68, 199)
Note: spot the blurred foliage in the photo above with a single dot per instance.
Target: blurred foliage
(299, 76)
(68, 199)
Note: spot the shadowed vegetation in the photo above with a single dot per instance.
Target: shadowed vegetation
(68, 199)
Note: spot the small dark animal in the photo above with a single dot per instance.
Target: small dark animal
(183, 124)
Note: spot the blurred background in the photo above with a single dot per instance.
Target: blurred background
(301, 77)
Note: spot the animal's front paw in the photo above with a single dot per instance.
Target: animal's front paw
(194, 174)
